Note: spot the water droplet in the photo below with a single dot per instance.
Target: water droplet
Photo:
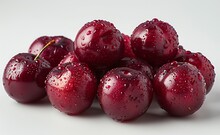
(88, 32)
(108, 87)
(200, 77)
(189, 108)
(82, 44)
(83, 37)
(126, 72)
(125, 85)
(191, 90)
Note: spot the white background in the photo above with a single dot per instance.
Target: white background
(21, 21)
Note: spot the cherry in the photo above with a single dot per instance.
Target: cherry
(180, 52)
(117, 68)
(99, 44)
(57, 50)
(124, 93)
(203, 64)
(128, 52)
(71, 87)
(180, 88)
(137, 64)
(70, 57)
(155, 41)
(24, 77)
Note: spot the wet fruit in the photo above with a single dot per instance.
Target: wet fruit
(99, 44)
(137, 64)
(180, 88)
(71, 88)
(203, 64)
(155, 41)
(24, 77)
(70, 57)
(128, 52)
(125, 94)
(60, 46)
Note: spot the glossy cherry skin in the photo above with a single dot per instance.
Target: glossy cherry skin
(137, 64)
(71, 88)
(70, 57)
(125, 94)
(180, 88)
(99, 44)
(203, 64)
(180, 52)
(55, 52)
(128, 52)
(24, 78)
(155, 41)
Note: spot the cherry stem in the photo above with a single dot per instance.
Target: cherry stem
(48, 44)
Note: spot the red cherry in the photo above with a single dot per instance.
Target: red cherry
(128, 52)
(180, 51)
(55, 52)
(180, 88)
(71, 87)
(155, 41)
(24, 77)
(99, 44)
(70, 57)
(203, 64)
(125, 94)
(137, 64)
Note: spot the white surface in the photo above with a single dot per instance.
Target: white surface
(21, 21)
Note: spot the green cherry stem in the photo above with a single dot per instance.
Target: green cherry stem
(48, 44)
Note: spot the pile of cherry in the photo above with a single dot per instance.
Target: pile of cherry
(124, 73)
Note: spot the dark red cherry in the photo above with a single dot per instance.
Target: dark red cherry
(128, 52)
(180, 88)
(71, 87)
(155, 41)
(180, 51)
(137, 64)
(24, 78)
(99, 44)
(70, 57)
(54, 53)
(124, 93)
(203, 64)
